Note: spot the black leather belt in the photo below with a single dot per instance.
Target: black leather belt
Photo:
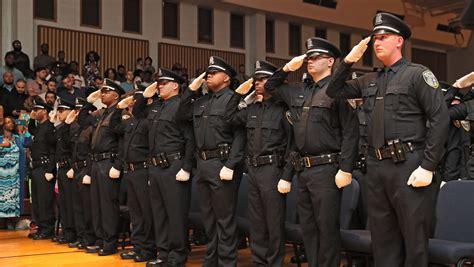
(103, 156)
(39, 163)
(395, 152)
(63, 163)
(222, 151)
(80, 164)
(134, 166)
(311, 161)
(263, 160)
(164, 160)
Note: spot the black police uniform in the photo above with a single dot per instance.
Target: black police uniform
(399, 101)
(104, 189)
(218, 144)
(81, 135)
(326, 137)
(42, 161)
(268, 145)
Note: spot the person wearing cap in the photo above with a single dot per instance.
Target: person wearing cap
(400, 100)
(268, 145)
(67, 90)
(63, 155)
(172, 147)
(81, 128)
(220, 150)
(326, 138)
(135, 155)
(42, 168)
(106, 170)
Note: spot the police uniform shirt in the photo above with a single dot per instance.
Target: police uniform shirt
(135, 140)
(44, 142)
(63, 144)
(81, 136)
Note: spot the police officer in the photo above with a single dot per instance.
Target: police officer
(220, 149)
(268, 144)
(403, 152)
(106, 170)
(43, 167)
(135, 157)
(81, 128)
(326, 139)
(65, 185)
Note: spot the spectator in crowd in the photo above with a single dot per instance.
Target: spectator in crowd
(121, 73)
(10, 67)
(61, 64)
(50, 98)
(139, 64)
(147, 78)
(44, 59)
(176, 68)
(68, 91)
(241, 76)
(31, 95)
(128, 85)
(79, 80)
(91, 67)
(8, 94)
(111, 74)
(2, 117)
(18, 98)
(149, 65)
(22, 61)
(52, 85)
(39, 83)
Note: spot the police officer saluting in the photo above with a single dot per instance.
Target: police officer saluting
(403, 152)
(220, 149)
(43, 167)
(326, 138)
(268, 145)
(106, 170)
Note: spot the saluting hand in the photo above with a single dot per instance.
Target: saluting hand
(150, 90)
(126, 102)
(244, 88)
(94, 97)
(357, 51)
(465, 81)
(196, 84)
(294, 64)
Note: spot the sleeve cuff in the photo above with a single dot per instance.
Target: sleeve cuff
(346, 167)
(427, 165)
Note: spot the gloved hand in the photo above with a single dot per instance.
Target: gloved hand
(70, 173)
(244, 88)
(284, 187)
(48, 176)
(114, 173)
(197, 82)
(465, 81)
(420, 177)
(150, 90)
(182, 176)
(295, 63)
(53, 116)
(343, 179)
(124, 103)
(94, 97)
(226, 174)
(357, 51)
(86, 179)
(71, 117)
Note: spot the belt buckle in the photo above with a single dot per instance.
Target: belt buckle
(378, 154)
(307, 162)
(153, 160)
(203, 155)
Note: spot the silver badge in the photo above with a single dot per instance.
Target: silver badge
(378, 19)
(309, 43)
(257, 65)
(211, 61)
(430, 79)
(160, 73)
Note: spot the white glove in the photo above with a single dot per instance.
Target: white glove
(295, 63)
(124, 103)
(182, 176)
(343, 179)
(197, 82)
(150, 90)
(114, 173)
(420, 177)
(48, 176)
(71, 117)
(86, 179)
(284, 187)
(94, 97)
(70, 173)
(244, 88)
(357, 51)
(465, 81)
(226, 174)
(53, 116)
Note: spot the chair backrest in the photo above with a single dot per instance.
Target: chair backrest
(291, 197)
(454, 212)
(349, 201)
(242, 201)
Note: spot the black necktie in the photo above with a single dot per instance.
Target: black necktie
(378, 128)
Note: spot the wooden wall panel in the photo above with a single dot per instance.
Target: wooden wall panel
(113, 50)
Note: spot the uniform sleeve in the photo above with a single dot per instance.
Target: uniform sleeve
(51, 141)
(278, 87)
(189, 146)
(339, 87)
(436, 113)
(288, 170)
(236, 154)
(185, 109)
(350, 135)
(118, 130)
(459, 112)
(139, 110)
(232, 114)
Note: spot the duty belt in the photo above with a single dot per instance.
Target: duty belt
(39, 163)
(299, 162)
(134, 166)
(80, 164)
(221, 152)
(395, 150)
(63, 163)
(164, 160)
(102, 156)
(263, 160)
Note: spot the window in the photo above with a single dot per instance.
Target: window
(91, 13)
(170, 19)
(270, 36)
(294, 39)
(205, 25)
(132, 16)
(237, 31)
(367, 58)
(321, 33)
(344, 43)
(45, 9)
(324, 3)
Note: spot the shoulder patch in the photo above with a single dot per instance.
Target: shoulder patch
(430, 79)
